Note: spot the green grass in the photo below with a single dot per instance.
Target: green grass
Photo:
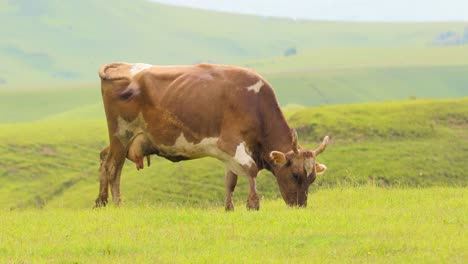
(412, 143)
(363, 224)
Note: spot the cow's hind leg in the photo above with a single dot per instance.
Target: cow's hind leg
(231, 181)
(103, 181)
(114, 181)
(112, 160)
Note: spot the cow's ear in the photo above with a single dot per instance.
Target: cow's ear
(320, 168)
(278, 158)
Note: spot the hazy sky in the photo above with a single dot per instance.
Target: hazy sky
(360, 10)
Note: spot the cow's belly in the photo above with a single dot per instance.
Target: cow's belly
(182, 149)
(240, 162)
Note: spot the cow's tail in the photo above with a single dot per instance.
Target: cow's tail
(131, 91)
(115, 71)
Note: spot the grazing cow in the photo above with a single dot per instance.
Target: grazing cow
(189, 112)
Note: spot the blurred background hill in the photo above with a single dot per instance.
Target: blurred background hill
(53, 43)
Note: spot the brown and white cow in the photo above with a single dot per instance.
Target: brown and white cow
(189, 112)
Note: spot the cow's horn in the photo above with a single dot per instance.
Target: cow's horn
(294, 140)
(322, 146)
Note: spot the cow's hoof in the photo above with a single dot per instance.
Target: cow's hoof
(229, 207)
(100, 203)
(253, 202)
(253, 205)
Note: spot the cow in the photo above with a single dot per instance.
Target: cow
(194, 111)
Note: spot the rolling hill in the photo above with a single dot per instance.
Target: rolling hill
(310, 78)
(54, 162)
(51, 44)
(348, 75)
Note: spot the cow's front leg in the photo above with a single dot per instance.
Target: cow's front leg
(253, 202)
(101, 200)
(240, 162)
(231, 181)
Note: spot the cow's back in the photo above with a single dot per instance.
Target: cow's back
(206, 98)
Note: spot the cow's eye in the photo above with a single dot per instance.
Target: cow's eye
(295, 176)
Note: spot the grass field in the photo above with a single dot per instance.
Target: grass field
(364, 224)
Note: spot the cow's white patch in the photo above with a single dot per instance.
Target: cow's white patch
(309, 165)
(256, 87)
(181, 147)
(239, 164)
(138, 67)
(242, 156)
(126, 130)
(242, 162)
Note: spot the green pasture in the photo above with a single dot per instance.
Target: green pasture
(365, 224)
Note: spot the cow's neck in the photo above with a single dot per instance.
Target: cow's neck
(277, 137)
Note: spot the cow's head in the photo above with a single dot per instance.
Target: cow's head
(296, 170)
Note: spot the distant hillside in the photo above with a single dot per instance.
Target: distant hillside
(451, 38)
(404, 143)
(348, 75)
(54, 43)
(309, 78)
